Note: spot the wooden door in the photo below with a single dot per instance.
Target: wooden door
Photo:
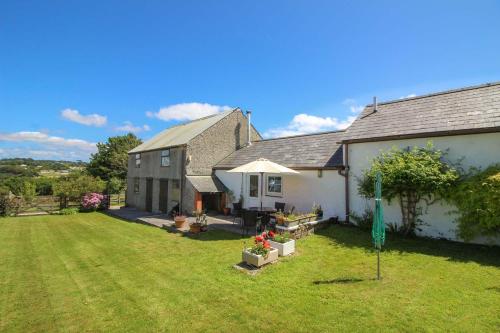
(149, 194)
(164, 195)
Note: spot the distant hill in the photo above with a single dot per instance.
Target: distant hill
(29, 167)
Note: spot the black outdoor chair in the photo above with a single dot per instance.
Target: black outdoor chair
(251, 221)
(237, 209)
(279, 206)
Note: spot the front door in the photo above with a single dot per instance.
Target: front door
(164, 195)
(149, 194)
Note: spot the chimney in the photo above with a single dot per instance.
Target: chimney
(374, 103)
(249, 126)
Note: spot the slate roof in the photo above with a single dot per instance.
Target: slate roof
(315, 151)
(206, 184)
(467, 110)
(180, 134)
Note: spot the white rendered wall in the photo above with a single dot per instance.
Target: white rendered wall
(479, 150)
(301, 190)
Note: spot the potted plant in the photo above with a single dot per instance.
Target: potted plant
(283, 243)
(180, 221)
(200, 224)
(280, 218)
(260, 253)
(318, 211)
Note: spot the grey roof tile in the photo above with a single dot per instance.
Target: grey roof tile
(320, 150)
(473, 108)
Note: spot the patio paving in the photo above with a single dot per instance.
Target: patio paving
(164, 221)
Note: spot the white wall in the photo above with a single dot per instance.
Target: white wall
(479, 150)
(301, 190)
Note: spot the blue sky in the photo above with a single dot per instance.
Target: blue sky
(73, 73)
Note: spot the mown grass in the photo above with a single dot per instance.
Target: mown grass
(91, 272)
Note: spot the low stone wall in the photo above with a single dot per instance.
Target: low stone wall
(305, 229)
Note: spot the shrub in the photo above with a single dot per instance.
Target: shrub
(68, 211)
(477, 198)
(414, 176)
(10, 204)
(364, 221)
(92, 201)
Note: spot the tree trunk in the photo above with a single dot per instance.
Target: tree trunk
(408, 202)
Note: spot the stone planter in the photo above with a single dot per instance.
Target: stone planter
(258, 260)
(284, 249)
(180, 221)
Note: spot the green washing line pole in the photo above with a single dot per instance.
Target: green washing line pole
(378, 229)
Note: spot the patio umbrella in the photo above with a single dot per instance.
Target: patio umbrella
(262, 166)
(378, 229)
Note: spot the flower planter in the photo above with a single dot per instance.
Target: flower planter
(227, 210)
(258, 260)
(195, 228)
(284, 249)
(180, 222)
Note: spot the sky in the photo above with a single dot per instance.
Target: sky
(73, 73)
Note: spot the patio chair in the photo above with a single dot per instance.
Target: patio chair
(280, 206)
(237, 211)
(251, 221)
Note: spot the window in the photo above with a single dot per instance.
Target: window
(165, 158)
(137, 160)
(274, 185)
(254, 186)
(136, 185)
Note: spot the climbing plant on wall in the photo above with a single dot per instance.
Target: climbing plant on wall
(477, 199)
(413, 176)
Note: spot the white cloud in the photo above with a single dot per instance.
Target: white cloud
(408, 96)
(88, 120)
(43, 154)
(305, 123)
(129, 127)
(187, 111)
(44, 138)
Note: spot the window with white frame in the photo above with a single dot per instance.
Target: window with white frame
(136, 185)
(274, 185)
(254, 186)
(165, 158)
(137, 160)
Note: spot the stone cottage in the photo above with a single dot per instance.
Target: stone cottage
(174, 168)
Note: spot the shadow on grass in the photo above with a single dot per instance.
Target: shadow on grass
(350, 236)
(339, 281)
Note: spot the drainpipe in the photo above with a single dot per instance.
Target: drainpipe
(345, 173)
(249, 125)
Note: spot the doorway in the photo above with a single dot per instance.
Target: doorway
(149, 194)
(163, 204)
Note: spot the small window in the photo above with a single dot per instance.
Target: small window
(254, 186)
(137, 160)
(165, 158)
(274, 185)
(136, 185)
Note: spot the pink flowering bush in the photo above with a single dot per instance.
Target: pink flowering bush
(92, 201)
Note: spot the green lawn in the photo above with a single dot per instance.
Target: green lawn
(91, 272)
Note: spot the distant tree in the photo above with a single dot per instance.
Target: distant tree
(412, 175)
(44, 185)
(111, 158)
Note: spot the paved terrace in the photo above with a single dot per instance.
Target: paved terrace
(220, 222)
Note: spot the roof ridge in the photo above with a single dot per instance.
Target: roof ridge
(301, 135)
(203, 118)
(444, 92)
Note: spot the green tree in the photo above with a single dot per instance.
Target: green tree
(477, 198)
(413, 176)
(75, 185)
(111, 158)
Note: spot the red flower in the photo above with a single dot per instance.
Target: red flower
(271, 234)
(267, 245)
(259, 238)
